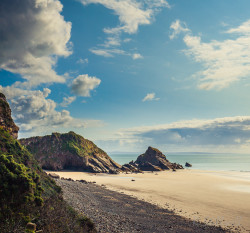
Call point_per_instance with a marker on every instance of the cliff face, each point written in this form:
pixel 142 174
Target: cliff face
pixel 6 121
pixel 154 160
pixel 69 151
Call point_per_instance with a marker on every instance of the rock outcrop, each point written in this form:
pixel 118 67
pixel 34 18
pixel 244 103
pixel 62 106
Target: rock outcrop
pixel 6 121
pixel 153 160
pixel 69 151
pixel 188 164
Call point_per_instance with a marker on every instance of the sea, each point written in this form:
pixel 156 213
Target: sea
pixel 201 161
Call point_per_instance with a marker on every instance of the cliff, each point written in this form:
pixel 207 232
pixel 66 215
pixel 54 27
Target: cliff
pixel 6 121
pixel 69 151
pixel 153 160
pixel 27 193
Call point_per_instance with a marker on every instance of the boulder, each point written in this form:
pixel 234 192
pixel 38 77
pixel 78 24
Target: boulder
pixel 188 164
pixel 54 175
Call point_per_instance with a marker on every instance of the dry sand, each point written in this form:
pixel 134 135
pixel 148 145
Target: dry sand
pixel 217 198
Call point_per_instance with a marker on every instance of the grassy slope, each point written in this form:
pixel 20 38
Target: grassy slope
pixel 28 194
pixel 67 142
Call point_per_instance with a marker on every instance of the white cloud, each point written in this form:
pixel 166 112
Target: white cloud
pixel 243 29
pixel 83 84
pixel 33 33
pixel 131 14
pixel 83 61
pixel 137 56
pixel 111 52
pixel 112 41
pixel 67 101
pixel 228 134
pixel 107 52
pixel 150 97
pixel 36 114
pixel 178 27
pixel 224 62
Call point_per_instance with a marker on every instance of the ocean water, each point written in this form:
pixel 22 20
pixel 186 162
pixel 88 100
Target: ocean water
pixel 202 161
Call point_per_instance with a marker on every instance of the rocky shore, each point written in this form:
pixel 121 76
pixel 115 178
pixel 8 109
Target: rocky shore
pixel 116 212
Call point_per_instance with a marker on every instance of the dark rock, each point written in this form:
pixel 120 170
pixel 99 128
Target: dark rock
pixel 54 175
pixel 83 181
pixel 188 164
pixel 152 160
pixel 150 167
pixel 114 171
pixel 130 168
pixel 177 166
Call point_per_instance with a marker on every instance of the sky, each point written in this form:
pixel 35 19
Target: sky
pixel 129 74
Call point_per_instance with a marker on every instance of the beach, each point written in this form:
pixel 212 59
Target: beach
pixel 212 197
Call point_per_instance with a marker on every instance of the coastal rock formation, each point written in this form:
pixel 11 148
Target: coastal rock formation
pixel 154 160
pixel 6 121
pixel 69 151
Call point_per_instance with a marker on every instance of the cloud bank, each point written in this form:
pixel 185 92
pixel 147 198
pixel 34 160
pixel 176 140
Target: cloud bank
pixel 230 134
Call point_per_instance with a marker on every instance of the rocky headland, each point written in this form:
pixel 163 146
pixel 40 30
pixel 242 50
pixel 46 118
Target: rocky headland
pixel 70 151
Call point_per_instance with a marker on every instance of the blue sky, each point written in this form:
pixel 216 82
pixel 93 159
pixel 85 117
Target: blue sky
pixel 128 74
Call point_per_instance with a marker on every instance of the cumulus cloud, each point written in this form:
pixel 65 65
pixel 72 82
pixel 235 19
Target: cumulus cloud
pixel 67 101
pixel 34 112
pixel 83 84
pixel 34 34
pixel 131 14
pixel 150 97
pixel 136 56
pixel 224 62
pixel 177 27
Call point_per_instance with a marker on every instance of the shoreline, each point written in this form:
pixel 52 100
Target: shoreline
pixel 212 197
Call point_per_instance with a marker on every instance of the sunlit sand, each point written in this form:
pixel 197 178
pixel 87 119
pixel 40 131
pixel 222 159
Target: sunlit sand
pixel 217 198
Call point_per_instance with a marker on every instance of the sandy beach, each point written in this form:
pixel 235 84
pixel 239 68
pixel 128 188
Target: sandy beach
pixel 216 198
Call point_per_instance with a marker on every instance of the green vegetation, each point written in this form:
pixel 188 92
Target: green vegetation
pixel 71 142
pixel 18 184
pixel 76 144
pixel 28 194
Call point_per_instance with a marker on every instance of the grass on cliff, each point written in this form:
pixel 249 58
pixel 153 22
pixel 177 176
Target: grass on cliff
pixel 28 194
pixel 70 142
